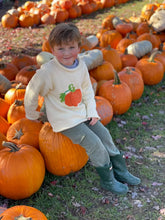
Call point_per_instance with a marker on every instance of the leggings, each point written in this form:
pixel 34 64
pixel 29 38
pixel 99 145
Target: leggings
pixel 96 140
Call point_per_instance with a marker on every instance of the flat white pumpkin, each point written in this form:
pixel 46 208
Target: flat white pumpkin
pixel 157 20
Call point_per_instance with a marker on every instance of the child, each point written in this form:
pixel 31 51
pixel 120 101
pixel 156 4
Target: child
pixel 71 109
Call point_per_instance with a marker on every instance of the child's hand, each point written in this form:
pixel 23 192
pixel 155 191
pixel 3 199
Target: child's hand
pixel 93 120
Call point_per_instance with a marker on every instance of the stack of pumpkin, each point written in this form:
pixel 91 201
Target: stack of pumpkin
pixel 51 12
pixel 126 56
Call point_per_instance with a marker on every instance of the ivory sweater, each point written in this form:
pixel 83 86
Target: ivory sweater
pixel 68 95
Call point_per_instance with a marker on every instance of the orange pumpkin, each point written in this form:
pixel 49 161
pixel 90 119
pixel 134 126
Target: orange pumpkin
pixel 22 170
pixel 111 37
pixel 117 93
pixel 105 71
pixel 22 60
pixel 8 70
pixel 152 69
pixel 26 20
pixel 4 106
pixel 134 81
pixel 9 21
pixel 111 55
pixel 104 109
pixel 15 93
pixel 23 212
pixel 54 146
pixel 25 74
pixel 24 131
pixel 16 111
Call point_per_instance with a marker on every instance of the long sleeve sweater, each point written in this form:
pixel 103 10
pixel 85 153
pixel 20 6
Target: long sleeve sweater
pixel 68 95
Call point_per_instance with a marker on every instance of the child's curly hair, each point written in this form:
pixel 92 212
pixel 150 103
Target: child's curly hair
pixel 64 33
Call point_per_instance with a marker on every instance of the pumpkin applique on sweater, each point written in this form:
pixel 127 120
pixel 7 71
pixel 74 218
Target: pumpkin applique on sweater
pixel 72 96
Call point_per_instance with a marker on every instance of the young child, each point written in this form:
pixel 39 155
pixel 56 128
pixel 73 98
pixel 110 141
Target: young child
pixel 64 83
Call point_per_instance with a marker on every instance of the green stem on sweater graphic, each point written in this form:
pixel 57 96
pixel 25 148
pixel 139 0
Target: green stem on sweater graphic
pixel 72 96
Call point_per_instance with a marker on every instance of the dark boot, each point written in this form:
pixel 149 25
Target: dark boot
pixel 108 181
pixel 120 170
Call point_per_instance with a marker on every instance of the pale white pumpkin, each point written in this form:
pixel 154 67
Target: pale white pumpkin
pixel 139 48
pixel 93 40
pixel 157 20
pixel 44 57
pixel 92 58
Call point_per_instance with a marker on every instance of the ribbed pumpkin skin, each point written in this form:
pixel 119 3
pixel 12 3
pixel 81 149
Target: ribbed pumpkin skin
pixel 24 131
pixel 60 154
pixel 25 211
pixel 21 172
pixel 134 81
pixel 119 96
pixel 104 109
pixel 4 125
pixel 152 72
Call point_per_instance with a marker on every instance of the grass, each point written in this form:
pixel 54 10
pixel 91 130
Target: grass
pixel 140 132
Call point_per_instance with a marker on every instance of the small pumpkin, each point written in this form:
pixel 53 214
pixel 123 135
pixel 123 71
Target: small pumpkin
pixel 104 109
pixel 22 212
pixel 8 70
pixel 25 74
pixel 110 37
pixel 15 93
pixel 134 81
pixel 24 131
pixel 16 111
pixel 140 48
pixel 105 71
pixel 22 60
pixel 111 55
pixel 9 21
pixel 22 170
pixel 54 146
pixel 152 69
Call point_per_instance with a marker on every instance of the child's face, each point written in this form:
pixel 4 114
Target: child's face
pixel 66 53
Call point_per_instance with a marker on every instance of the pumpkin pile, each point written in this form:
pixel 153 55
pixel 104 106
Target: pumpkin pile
pixel 122 58
pixel 53 11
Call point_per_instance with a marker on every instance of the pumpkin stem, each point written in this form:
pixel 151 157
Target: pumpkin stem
pixel 18 102
pixel 10 145
pixel 161 47
pixel 128 70
pixel 116 78
pixel 18 134
pixel 21 217
pixel 152 57
pixel 2 65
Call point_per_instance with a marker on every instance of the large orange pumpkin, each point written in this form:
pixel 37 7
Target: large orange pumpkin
pixel 60 154
pixel 22 171
pixel 4 106
pixel 9 70
pixel 23 212
pixel 152 69
pixel 118 93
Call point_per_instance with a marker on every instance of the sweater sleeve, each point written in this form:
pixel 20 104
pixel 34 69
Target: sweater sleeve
pixel 40 84
pixel 89 96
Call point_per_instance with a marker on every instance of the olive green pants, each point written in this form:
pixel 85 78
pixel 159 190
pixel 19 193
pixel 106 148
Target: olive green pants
pixel 96 140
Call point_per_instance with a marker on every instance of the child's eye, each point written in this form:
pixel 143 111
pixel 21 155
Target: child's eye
pixel 72 47
pixel 60 48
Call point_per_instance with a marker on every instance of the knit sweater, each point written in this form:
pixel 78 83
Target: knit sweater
pixel 68 95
